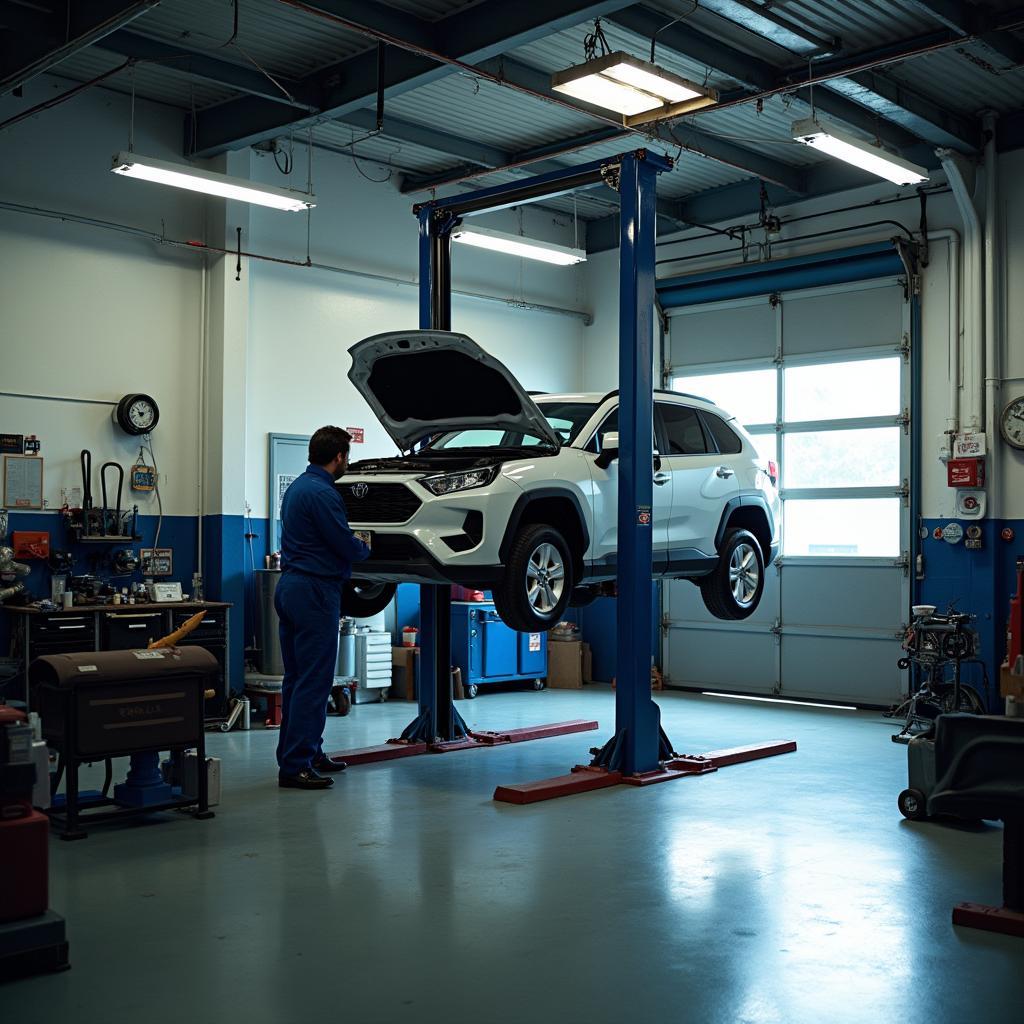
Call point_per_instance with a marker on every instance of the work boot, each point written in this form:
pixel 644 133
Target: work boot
pixel 306 779
pixel 326 764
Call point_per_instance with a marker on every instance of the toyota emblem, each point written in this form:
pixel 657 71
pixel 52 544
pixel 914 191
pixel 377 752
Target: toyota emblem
pixel 359 490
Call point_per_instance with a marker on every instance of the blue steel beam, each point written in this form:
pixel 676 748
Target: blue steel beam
pixel 969 20
pixel 205 67
pixel 42 41
pixel 733 203
pixel 471 35
pixel 873 90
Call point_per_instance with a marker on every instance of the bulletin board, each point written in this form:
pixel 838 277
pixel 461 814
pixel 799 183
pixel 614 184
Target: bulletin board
pixel 23 481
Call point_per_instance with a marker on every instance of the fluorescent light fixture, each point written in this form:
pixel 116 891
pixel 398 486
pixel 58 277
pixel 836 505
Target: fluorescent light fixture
pixel 132 165
pixel 858 152
pixel 780 700
pixel 516 245
pixel 635 88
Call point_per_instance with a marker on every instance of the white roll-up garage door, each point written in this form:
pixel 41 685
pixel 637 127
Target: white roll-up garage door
pixel 821 379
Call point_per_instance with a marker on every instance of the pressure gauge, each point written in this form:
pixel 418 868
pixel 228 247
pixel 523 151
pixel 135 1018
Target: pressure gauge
pixel 1011 425
pixel 138 414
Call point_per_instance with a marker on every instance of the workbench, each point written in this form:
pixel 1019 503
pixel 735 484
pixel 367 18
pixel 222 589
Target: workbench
pixel 113 627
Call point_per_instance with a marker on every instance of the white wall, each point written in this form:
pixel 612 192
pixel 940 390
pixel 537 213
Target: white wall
pixel 303 320
pixel 601 339
pixel 93 314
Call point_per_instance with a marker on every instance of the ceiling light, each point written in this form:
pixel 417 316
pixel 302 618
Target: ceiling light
pixel 866 155
pixel 516 245
pixel 182 176
pixel 635 88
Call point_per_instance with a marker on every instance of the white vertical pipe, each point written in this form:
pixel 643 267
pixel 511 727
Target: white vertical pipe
pixel 991 375
pixel 973 291
pixel 956 327
pixel 201 418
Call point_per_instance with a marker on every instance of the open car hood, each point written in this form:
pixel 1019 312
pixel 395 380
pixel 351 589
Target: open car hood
pixel 420 383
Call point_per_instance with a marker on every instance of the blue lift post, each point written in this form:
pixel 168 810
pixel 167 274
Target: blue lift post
pixel 639 751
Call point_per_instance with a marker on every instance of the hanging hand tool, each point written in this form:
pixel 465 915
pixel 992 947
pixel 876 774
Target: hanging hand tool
pixel 116 528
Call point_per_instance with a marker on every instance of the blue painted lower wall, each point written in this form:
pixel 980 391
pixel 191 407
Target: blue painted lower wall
pixel 226 569
pixel 980 582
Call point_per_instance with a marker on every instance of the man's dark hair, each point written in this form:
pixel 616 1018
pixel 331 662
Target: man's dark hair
pixel 326 443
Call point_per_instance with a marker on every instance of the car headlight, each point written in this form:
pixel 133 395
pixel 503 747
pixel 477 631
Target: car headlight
pixel 448 483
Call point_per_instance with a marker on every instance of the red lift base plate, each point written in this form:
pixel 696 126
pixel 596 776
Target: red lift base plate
pixel 989 919
pixel 394 749
pixel 586 778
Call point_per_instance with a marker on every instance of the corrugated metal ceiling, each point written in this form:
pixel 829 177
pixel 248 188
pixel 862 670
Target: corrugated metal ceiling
pixel 287 42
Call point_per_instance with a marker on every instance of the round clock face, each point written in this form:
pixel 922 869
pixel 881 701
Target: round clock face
pixel 1012 423
pixel 142 414
pixel 136 414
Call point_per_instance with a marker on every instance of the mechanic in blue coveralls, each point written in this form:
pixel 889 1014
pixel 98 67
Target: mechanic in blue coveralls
pixel 317 552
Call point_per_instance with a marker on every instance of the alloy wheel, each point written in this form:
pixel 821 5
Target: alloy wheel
pixel 744 574
pixel 545 578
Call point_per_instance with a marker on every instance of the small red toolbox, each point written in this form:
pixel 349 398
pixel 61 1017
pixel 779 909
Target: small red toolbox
pixel 24 866
pixel 30 544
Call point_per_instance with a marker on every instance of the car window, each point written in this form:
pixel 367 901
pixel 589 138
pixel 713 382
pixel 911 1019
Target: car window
pixel 471 439
pixel 567 419
pixel 683 430
pixel 727 440
pixel 610 425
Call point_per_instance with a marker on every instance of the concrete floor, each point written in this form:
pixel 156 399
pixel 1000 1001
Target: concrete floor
pixel 781 892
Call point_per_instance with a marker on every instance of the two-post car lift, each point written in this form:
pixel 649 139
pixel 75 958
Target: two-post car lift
pixel 639 752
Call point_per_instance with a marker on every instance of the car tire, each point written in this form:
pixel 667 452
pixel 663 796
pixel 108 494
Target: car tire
pixel 362 599
pixel 734 589
pixel 538 581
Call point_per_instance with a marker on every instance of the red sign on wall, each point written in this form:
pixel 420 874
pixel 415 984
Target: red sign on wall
pixel 358 434
pixel 965 472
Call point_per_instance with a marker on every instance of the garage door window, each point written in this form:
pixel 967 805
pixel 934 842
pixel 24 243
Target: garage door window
pixel 832 427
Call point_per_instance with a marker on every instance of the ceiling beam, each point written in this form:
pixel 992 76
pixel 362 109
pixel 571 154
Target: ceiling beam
pixel 36 41
pixel 470 35
pixel 876 96
pixel 207 68
pixel 733 203
pixel 968 20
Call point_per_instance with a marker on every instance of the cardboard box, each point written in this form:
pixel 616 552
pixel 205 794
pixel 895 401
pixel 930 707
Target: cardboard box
pixel 565 665
pixel 404 663
pixel 1010 685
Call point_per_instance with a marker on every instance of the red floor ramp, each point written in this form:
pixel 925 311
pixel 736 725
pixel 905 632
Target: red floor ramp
pixel 395 748
pixel 582 780
pixel 680 766
pixel 989 919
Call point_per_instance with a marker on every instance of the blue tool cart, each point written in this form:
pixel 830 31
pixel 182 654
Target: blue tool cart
pixel 487 651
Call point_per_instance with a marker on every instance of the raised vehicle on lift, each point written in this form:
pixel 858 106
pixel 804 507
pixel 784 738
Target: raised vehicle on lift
pixel 515 493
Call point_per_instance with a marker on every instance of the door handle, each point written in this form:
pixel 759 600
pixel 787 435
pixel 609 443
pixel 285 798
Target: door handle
pixel 661 479
pixel 724 472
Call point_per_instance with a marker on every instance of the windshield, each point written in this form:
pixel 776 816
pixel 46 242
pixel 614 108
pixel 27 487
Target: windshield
pixel 566 418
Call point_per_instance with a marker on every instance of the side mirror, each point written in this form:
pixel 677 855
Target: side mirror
pixel 609 449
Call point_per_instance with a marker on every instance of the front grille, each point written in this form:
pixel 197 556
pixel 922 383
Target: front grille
pixel 395 547
pixel 381 503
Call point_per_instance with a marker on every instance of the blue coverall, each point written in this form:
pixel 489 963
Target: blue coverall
pixel 317 552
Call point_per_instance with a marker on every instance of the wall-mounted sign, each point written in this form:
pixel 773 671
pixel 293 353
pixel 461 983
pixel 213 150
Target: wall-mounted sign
pixel 952 533
pixel 969 446
pixel 358 434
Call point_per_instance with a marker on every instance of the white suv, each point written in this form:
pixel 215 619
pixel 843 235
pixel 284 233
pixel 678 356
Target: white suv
pixel 517 494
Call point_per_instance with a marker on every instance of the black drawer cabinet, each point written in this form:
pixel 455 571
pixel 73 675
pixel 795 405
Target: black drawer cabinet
pixel 212 634
pixel 122 628
pixel 129 631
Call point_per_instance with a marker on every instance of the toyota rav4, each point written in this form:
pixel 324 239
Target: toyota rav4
pixel 516 493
